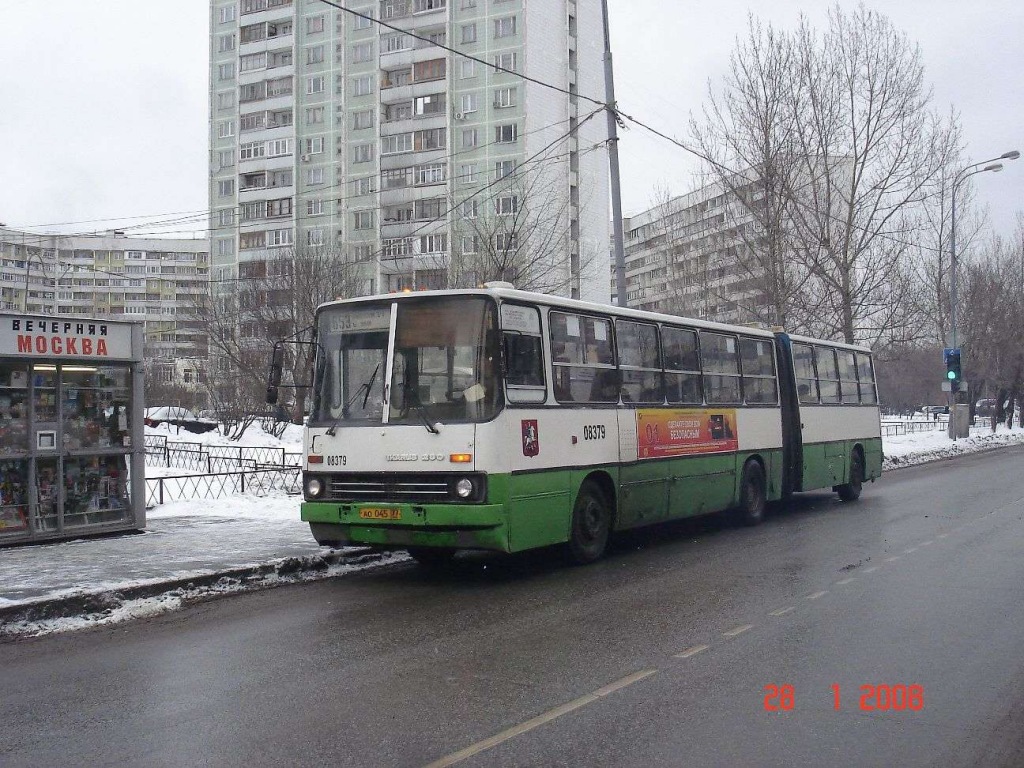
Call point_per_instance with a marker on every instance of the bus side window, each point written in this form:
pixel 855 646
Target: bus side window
pixel 848 376
pixel 524 360
pixel 803 368
pixel 866 376
pixel 828 375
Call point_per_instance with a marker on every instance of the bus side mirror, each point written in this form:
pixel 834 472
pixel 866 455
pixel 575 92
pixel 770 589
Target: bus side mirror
pixel 276 369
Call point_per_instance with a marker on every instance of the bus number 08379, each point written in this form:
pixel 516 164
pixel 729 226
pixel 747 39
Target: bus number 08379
pixel 594 432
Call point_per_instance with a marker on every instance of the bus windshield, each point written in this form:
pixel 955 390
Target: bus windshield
pixel 444 363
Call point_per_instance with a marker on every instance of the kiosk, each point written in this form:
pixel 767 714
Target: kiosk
pixel 72 455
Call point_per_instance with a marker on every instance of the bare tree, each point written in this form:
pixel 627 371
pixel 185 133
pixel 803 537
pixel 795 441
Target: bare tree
pixel 272 298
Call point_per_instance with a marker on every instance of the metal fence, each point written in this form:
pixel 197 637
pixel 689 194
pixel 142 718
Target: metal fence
pixel 161 452
pixel 160 490
pixel 893 429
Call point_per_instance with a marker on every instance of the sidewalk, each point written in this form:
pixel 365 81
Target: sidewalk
pixel 192 550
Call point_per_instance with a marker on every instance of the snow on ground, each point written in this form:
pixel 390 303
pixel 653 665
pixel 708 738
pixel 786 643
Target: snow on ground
pixel 202 539
pixel 254 437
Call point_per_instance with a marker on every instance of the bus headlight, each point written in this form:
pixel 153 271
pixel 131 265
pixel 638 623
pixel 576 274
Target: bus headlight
pixel 464 488
pixel 314 487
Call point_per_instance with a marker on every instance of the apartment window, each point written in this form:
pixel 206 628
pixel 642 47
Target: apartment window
pixel 363 253
pixel 225 247
pixel 429 70
pixel 504 97
pixel 227 13
pixel 226 217
pixel 280 207
pixel 314 207
pixel 396 178
pixel 362 220
pixel 467 173
pixel 279 58
pixel 362 153
pixel 315 84
pixel 429 105
pixel 419 6
pixel 226 158
pixel 507 205
pixel 315 54
pixel 468 33
pixel 314 115
pixel 282 86
pixel 254 210
pixel 362 86
pixel 226 43
pixel 432 173
pixel 505 134
pixel 506 61
pixel 314 176
pixel 392 43
pixel 468 103
pixel 226 71
pixel 470 243
pixel 364 186
pixel 432 139
pixel 362 119
pixel 279 147
pixel 470 137
pixel 250 240
pixel 506 241
pixel 471 209
pixel 363 23
pixel 505 26
pixel 315 237
pixel 504 168
pixel 468 4
pixel 467 69
pixel 397 246
pixel 391 145
pixel 314 24
pixel 362 52
pixel 251 150
pixel 281 178
pixel 433 243
pixel 277 238
pixel 314 145
pixel 225 100
pixel 226 128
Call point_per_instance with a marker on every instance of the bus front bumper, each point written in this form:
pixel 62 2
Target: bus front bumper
pixel 455 526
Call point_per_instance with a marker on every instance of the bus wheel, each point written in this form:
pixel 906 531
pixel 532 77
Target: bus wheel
pixel 431 557
pixel 591 524
pixel 753 498
pixel 851 491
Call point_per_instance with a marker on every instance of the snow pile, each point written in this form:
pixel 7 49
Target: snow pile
pixel 254 437
pixel 922 447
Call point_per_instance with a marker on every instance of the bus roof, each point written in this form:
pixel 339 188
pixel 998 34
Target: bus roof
pixel 505 292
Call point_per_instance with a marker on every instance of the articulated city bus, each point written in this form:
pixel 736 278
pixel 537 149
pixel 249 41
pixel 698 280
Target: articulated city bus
pixel 497 419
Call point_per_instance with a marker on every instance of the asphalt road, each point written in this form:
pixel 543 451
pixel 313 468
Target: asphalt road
pixel 657 656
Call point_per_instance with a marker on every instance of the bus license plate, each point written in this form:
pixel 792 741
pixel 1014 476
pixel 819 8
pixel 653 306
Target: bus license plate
pixel 380 513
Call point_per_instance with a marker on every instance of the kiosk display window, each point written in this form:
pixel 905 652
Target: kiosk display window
pixel 94 407
pixel 13 497
pixel 44 393
pixel 95 490
pixel 47 494
pixel 14 409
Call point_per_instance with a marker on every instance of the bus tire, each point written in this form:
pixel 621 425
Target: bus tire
pixel 753 499
pixel 431 558
pixel 851 491
pixel 591 524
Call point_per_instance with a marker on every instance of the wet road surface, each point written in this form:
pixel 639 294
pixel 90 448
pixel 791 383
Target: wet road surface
pixel 657 656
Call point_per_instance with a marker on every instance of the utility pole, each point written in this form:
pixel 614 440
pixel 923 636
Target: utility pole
pixel 613 163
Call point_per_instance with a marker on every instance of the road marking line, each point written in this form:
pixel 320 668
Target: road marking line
pixel 927 543
pixel 738 630
pixel 910 551
pixel 692 651
pixel 816 595
pixel 783 611
pixel 892 559
pixel 845 581
pixel 872 569
pixel 942 535
pixel 546 717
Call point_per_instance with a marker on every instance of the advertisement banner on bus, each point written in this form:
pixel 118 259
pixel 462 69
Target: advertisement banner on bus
pixel 685 432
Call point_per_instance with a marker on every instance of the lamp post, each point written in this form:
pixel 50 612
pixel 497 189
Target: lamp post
pixel 958 426
pixel 959 178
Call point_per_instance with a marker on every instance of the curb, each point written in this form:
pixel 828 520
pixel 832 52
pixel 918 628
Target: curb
pixel 203 586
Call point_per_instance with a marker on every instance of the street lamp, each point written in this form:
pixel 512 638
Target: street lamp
pixel 959 178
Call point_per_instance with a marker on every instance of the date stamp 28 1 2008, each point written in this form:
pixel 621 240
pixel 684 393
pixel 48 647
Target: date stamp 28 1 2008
pixel 873 698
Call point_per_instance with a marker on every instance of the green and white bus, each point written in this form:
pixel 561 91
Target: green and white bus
pixel 497 419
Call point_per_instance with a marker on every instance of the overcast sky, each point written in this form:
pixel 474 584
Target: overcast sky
pixel 103 103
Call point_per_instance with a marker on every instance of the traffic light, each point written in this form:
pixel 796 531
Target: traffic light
pixel 953 373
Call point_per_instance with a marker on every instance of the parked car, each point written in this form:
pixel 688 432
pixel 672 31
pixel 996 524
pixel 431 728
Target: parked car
pixel 178 417
pixel 985 407
pixel 931 410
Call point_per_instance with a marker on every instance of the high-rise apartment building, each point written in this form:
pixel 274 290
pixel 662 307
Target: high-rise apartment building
pixel 426 168
pixel 687 256
pixel 159 281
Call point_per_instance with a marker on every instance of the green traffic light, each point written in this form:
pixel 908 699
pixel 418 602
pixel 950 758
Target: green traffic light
pixel 951 375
